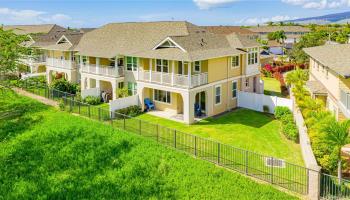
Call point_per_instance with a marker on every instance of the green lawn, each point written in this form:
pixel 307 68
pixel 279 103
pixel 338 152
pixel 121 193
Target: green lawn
pixel 241 128
pixel 272 87
pixel 48 154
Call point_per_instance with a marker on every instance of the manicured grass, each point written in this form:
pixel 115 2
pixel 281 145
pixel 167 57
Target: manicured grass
pixel 48 154
pixel 272 87
pixel 241 128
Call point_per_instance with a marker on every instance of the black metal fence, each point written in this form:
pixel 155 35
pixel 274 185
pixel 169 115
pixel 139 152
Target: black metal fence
pixel 334 188
pixel 266 168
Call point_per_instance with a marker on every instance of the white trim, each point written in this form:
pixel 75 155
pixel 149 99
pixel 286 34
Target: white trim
pixel 172 41
pixel 217 86
pixel 63 37
pixel 162 65
pixel 200 66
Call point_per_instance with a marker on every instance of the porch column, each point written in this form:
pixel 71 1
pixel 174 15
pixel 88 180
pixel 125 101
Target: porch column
pixel 150 71
pixel 97 64
pixel 83 83
pixel 137 68
pixel 172 72
pixel 139 89
pixel 189 74
pixel 88 63
pixel 48 76
pixel 97 83
pixel 114 90
pixel 116 66
pixel 188 106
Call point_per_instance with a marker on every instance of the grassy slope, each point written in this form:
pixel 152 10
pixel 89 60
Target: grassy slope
pixel 49 154
pixel 242 128
pixel 272 87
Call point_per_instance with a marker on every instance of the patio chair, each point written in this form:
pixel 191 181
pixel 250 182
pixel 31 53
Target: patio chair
pixel 149 104
pixel 197 110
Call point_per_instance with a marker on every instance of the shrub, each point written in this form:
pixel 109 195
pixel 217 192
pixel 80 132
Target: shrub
pixel 64 86
pixel 92 100
pixel 281 111
pixel 290 130
pixel 131 111
pixel 61 105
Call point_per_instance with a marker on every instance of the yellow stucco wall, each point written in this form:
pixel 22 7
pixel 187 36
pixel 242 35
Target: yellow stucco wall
pixel 330 82
pixel 227 102
pixel 176 103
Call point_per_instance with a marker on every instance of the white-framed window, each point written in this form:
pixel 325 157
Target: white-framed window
pixel 197 66
pixel 131 63
pixel 132 88
pixel 218 94
pixel 234 61
pixel 234 89
pixel 247 82
pixel 252 56
pixel 162 96
pixel 162 65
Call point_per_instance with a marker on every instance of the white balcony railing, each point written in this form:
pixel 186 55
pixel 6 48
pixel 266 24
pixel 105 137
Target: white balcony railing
pixel 173 79
pixel 60 63
pixel 252 69
pixel 33 60
pixel 102 70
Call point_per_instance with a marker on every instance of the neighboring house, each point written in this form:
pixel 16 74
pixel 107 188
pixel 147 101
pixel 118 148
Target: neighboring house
pixel 178 65
pixel 36 61
pixel 59 51
pixel 330 77
pixel 293 33
pixel 226 30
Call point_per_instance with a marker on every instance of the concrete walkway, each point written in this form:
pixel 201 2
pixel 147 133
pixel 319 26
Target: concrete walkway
pixel 36 97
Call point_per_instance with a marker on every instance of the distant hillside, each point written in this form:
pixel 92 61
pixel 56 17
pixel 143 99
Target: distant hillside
pixel 341 18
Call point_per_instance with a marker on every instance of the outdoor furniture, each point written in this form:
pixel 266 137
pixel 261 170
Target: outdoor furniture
pixel 197 110
pixel 149 104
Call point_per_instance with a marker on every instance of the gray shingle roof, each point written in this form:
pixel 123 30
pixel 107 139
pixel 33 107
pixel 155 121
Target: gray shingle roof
pixel 268 29
pixel 139 39
pixel 316 87
pixel 30 29
pixel 335 57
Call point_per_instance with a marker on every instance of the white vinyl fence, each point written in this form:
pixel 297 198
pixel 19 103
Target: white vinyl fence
pixel 96 92
pixel 123 103
pixel 257 102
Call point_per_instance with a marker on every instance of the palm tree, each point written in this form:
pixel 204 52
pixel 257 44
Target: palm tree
pixel 297 77
pixel 337 135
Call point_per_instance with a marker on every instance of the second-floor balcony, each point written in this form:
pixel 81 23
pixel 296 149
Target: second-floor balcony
pixel 34 60
pixel 60 63
pixel 102 70
pixel 252 69
pixel 172 79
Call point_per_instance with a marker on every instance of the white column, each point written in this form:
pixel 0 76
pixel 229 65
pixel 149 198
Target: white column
pixel 150 69
pixel 97 83
pixel 139 89
pixel 172 72
pixel 81 61
pixel 137 68
pixel 97 64
pixel 83 83
pixel 114 90
pixel 188 112
pixel 189 74
pixel 116 66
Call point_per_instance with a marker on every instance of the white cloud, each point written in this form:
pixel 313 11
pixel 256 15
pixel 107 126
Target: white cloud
pixel 12 16
pixel 208 4
pixel 319 4
pixel 262 20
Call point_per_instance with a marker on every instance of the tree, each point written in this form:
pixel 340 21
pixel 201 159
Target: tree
pixel 11 51
pixel 297 77
pixel 337 135
pixel 269 23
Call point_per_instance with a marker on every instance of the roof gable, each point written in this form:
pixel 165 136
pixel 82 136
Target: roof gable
pixel 168 43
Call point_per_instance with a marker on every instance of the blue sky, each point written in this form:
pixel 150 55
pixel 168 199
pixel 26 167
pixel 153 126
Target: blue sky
pixel 89 13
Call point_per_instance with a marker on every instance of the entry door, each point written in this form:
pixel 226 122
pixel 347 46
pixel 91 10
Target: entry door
pixel 181 69
pixel 202 101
